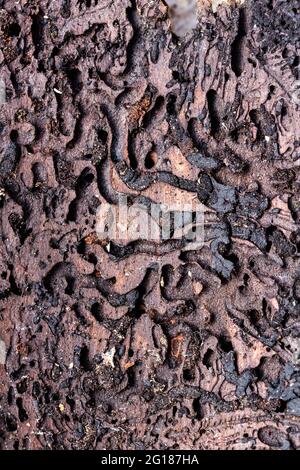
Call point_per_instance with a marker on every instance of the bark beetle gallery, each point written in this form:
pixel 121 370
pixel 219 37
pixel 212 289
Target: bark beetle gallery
pixel 144 345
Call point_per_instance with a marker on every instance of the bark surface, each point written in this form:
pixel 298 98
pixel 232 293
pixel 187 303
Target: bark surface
pixel 146 345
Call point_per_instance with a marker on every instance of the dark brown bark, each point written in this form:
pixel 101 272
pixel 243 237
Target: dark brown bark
pixel 146 345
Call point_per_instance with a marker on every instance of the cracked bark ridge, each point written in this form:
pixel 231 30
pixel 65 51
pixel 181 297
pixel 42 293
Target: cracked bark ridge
pixel 144 345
